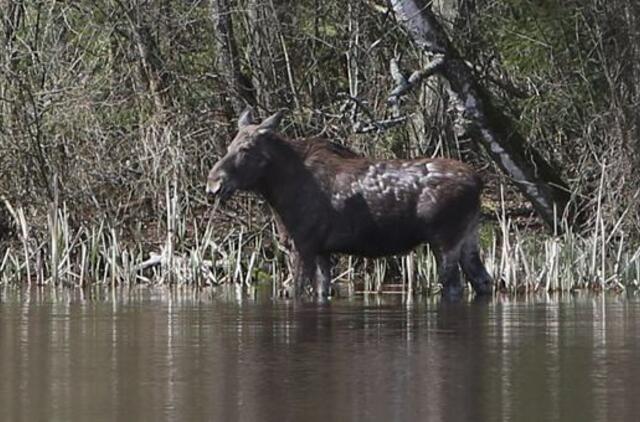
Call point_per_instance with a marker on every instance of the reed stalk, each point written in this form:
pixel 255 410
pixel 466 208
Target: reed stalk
pixel 199 255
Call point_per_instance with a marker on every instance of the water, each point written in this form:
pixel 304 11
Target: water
pixel 162 355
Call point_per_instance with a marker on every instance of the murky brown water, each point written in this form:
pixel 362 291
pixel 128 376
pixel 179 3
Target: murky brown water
pixel 160 355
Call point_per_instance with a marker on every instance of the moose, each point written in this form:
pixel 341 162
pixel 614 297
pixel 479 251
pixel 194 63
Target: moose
pixel 328 199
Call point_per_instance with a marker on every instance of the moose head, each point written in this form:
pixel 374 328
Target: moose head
pixel 246 159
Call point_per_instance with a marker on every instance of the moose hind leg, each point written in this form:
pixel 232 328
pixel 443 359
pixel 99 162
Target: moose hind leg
pixel 323 276
pixel 473 267
pixel 449 272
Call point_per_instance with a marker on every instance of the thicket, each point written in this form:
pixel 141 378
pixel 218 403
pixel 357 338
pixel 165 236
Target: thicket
pixel 112 113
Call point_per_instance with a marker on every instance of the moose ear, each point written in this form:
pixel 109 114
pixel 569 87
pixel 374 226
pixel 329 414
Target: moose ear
pixel 246 118
pixel 271 122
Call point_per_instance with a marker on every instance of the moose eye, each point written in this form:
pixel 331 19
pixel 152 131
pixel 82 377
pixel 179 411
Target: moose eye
pixel 243 154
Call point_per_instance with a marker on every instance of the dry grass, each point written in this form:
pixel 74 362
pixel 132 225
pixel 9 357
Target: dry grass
pixel 246 254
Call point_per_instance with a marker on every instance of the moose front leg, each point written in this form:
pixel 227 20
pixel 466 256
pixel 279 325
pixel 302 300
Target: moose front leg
pixel 323 276
pixel 304 269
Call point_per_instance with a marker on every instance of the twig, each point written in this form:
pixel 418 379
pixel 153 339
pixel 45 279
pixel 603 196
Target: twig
pixel 379 126
pixel 404 84
pixel 373 125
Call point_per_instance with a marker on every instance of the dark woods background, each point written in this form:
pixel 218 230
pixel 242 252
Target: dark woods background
pixel 106 106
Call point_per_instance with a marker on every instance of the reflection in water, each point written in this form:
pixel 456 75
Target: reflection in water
pixel 187 355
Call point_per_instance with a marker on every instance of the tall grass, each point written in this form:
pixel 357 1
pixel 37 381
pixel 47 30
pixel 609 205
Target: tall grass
pixel 245 253
pixel 525 262
pixel 100 255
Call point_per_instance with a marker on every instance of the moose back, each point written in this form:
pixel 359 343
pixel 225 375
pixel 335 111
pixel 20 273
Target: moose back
pixel 330 200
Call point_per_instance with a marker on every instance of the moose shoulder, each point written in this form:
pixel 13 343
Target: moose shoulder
pixel 330 200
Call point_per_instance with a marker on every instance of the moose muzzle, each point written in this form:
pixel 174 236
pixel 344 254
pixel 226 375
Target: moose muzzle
pixel 214 186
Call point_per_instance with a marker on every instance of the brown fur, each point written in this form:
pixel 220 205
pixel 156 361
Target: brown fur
pixel 328 199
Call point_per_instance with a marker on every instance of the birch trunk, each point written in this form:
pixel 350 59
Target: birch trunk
pixel 528 170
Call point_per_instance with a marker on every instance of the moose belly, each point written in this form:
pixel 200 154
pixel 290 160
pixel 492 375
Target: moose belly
pixel 374 239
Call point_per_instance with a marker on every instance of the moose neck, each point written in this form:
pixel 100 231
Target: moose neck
pixel 286 180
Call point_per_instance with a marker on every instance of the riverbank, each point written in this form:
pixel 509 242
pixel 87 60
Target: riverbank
pixel 238 245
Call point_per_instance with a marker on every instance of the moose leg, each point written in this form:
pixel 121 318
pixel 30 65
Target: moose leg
pixel 291 254
pixel 449 271
pixel 281 230
pixel 304 268
pixel 473 267
pixel 323 276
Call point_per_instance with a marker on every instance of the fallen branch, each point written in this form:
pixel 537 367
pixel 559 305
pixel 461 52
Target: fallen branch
pixel 183 268
pixel 373 125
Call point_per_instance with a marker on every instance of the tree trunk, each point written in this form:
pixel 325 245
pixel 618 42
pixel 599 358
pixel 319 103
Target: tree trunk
pixel 631 76
pixel 12 13
pixel 258 45
pixel 432 133
pixel 528 170
pixel 239 89
pixel 151 64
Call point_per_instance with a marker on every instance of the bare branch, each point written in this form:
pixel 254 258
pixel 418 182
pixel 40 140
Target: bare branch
pixel 380 125
pixel 404 85
pixel 373 125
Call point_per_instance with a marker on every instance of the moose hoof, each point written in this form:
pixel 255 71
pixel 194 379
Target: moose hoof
pixel 323 297
pixel 287 292
pixel 483 288
pixel 453 292
pixel 323 293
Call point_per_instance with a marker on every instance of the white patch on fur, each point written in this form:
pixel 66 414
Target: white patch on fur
pixel 382 180
pixel 403 183
pixel 430 195
pixel 432 167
